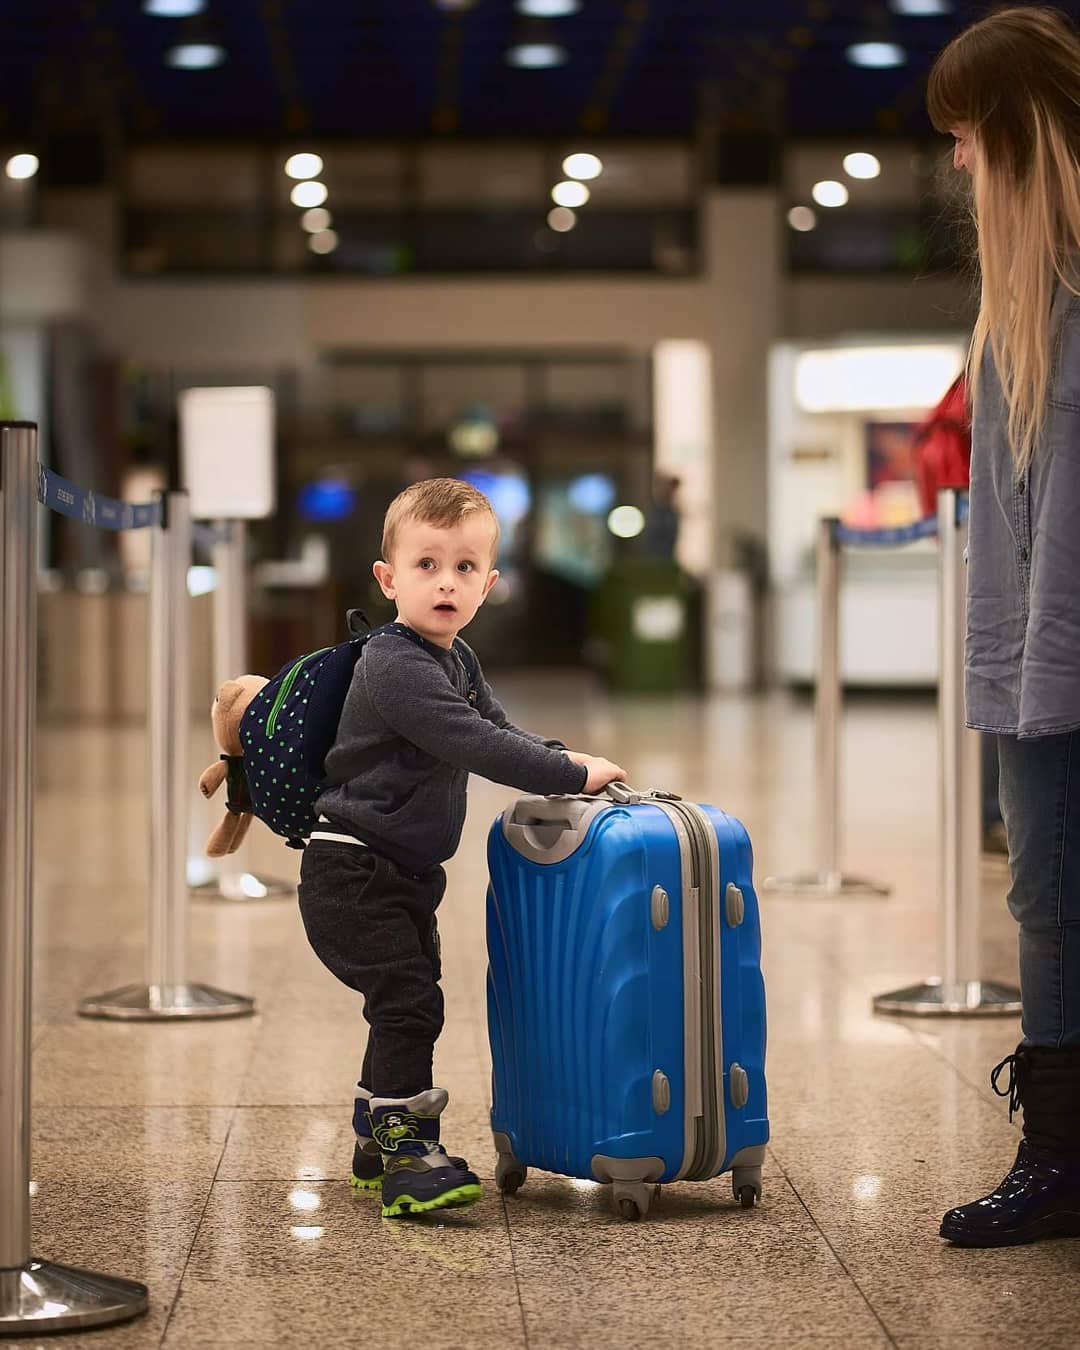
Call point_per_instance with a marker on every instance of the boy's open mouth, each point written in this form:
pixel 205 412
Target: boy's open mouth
pixel 446 607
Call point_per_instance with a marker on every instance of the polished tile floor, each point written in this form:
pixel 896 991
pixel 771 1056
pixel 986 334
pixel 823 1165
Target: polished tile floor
pixel 210 1160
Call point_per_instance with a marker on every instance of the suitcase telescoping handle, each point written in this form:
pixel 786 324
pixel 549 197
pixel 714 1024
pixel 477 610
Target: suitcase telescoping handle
pixel 550 829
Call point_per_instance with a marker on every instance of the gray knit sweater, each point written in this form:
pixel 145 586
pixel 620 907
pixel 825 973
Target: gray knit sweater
pixel 408 740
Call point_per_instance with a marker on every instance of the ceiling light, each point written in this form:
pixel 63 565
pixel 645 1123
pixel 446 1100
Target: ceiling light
pixel 22 166
pixel 536 55
pixel 195 56
pixel 548 9
pixel 801 218
pixel 303 166
pixel 318 218
pixel 173 9
pixel 561 219
pixel 861 165
pixel 570 194
pixel 918 9
pixel 308 194
pixel 323 242
pixel 876 55
pixel 829 193
pixel 582 166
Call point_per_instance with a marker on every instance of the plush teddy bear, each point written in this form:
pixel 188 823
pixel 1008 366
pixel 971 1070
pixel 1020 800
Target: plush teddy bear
pixel 229 707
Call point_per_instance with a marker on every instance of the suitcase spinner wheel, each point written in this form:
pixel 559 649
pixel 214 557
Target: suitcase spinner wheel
pixel 510 1174
pixel 632 1198
pixel 746 1183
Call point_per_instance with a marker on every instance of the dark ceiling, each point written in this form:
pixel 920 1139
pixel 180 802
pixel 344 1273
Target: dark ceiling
pixel 405 68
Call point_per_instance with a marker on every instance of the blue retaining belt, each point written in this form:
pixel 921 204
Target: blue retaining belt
pixel 897 535
pixel 92 508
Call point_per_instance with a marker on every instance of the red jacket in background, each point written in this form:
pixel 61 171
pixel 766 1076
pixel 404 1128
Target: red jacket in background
pixel 943 447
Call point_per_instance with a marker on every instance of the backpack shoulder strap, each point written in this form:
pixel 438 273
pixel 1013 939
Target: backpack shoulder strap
pixel 472 666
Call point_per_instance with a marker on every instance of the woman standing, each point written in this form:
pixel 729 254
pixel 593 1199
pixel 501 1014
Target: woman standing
pixel 1008 90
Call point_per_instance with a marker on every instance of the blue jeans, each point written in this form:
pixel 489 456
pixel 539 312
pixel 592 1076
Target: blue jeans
pixel 1040 800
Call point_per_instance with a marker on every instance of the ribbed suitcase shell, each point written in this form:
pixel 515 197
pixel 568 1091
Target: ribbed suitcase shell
pixel 587 999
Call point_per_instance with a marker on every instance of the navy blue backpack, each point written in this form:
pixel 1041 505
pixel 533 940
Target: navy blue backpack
pixel 290 725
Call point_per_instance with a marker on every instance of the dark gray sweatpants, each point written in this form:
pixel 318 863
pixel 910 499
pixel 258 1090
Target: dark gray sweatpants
pixel 373 925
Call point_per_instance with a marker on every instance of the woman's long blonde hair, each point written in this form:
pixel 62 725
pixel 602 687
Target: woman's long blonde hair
pixel 1014 78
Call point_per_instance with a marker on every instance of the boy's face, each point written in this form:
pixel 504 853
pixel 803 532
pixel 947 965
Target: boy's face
pixel 439 576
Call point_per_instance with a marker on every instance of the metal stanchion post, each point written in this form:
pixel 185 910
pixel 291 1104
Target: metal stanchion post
pixel 234 879
pixel 956 992
pixel 167 994
pixel 828 880
pixel 35 1296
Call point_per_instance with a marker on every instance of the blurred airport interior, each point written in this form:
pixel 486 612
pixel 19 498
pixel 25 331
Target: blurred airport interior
pixel 671 281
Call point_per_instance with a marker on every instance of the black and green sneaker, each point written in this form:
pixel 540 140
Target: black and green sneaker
pixel 418 1177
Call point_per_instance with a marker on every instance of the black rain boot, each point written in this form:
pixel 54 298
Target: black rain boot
pixel 418 1176
pixel 367 1164
pixel 1040 1197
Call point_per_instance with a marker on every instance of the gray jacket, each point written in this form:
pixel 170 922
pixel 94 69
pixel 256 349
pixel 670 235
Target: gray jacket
pixel 1023 582
pixel 408 740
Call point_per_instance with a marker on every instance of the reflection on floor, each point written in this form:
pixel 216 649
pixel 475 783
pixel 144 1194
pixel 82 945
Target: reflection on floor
pixel 210 1160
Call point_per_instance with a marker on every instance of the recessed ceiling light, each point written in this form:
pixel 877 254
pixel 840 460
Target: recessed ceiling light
pixel 829 193
pixel 876 55
pixel 801 218
pixel 548 9
pixel 323 242
pixel 570 194
pixel 173 9
pixel 303 166
pixel 318 218
pixel 561 219
pixel 583 166
pixel 308 194
pixel 918 9
pixel 861 165
pixel 536 55
pixel 22 166
pixel 195 56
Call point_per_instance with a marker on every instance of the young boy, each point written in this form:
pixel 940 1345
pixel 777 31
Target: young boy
pixel 419 717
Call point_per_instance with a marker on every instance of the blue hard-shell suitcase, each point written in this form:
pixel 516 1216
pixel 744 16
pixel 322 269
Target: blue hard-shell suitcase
pixel 626 1007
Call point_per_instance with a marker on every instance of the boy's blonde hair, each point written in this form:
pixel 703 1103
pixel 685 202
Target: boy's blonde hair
pixel 437 501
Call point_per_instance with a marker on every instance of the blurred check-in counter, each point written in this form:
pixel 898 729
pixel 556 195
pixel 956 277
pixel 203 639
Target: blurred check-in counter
pixel 93 654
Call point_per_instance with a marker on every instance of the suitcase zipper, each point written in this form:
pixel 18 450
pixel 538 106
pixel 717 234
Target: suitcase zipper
pixel 709 1134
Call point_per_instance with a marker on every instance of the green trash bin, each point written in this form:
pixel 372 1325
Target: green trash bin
pixel 640 621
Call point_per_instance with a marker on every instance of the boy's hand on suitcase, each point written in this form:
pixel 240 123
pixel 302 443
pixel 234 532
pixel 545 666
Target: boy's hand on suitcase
pixel 601 771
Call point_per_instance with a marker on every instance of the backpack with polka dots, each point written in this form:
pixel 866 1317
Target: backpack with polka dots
pixel 290 725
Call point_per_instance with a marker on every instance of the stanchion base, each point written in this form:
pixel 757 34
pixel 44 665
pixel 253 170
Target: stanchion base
pixel 247 886
pixel 160 1002
pixel 40 1297
pixel 965 998
pixel 824 885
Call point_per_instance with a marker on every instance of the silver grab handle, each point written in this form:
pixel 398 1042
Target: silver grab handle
pixel 622 794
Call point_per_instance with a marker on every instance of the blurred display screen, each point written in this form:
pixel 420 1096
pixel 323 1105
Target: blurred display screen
pixel 326 499
pixel 572 537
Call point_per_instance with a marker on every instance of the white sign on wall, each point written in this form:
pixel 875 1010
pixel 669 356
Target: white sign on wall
pixel 227 452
